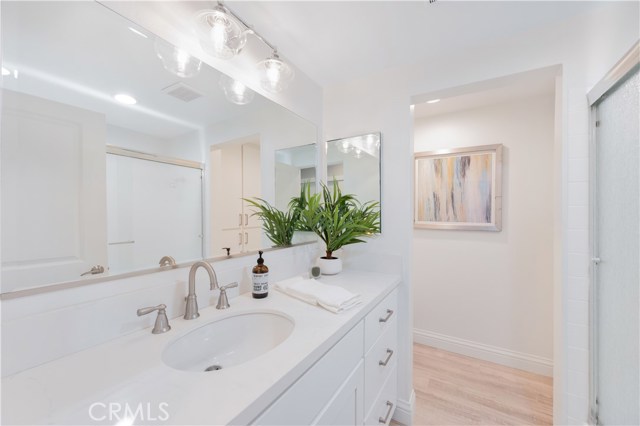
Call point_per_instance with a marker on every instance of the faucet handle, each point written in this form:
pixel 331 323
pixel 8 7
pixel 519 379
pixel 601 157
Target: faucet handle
pixel 162 322
pixel 232 285
pixel 223 300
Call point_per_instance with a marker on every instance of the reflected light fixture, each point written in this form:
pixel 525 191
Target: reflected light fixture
pixel 433 101
pixel 357 153
pixel 223 34
pixel 125 99
pixel 5 71
pixel 235 91
pixel 176 60
pixel 344 146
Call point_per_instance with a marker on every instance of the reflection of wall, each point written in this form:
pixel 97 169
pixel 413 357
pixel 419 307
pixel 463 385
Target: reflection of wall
pixel 277 128
pixel 288 179
pixel 185 147
pixel 506 278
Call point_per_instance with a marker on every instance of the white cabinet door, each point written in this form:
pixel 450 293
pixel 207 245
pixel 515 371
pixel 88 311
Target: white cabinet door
pixel 251 181
pixel 346 407
pixel 53 191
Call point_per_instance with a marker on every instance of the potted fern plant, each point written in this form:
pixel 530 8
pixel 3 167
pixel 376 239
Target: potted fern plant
pixel 338 219
pixel 277 225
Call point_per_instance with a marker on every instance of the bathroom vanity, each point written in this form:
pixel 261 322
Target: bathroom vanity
pixel 327 369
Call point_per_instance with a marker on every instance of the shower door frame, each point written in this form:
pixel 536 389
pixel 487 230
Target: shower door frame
pixel 609 82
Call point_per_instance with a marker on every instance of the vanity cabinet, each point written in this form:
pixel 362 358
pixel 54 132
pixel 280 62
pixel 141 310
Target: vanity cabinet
pixel 354 383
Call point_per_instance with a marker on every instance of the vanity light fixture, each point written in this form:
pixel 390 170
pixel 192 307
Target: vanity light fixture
pixel 235 91
pixel 275 74
pixel 125 99
pixel 433 101
pixel 223 34
pixel 176 60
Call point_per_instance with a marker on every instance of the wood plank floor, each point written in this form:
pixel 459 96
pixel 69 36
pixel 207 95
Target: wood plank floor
pixel 453 389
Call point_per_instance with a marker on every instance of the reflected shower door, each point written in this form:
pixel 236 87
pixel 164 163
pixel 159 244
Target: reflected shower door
pixel 616 271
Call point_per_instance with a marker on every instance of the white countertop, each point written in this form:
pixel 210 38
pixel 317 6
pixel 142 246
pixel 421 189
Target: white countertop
pixel 129 371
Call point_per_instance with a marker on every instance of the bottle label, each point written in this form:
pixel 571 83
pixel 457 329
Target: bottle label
pixel 260 283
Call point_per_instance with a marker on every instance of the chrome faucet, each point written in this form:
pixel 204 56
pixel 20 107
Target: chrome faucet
pixel 191 312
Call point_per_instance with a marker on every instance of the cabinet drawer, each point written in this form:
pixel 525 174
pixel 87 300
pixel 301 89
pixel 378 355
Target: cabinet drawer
pixel 306 398
pixel 385 403
pixel 380 362
pixel 380 318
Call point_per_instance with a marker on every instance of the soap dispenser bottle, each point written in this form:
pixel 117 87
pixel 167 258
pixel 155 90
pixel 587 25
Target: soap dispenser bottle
pixel 260 279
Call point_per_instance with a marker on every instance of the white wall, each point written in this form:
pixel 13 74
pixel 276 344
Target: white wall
pixel 586 47
pixel 490 294
pixel 185 147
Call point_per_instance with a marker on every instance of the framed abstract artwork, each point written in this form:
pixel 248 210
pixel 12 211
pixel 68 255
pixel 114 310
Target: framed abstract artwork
pixel 459 189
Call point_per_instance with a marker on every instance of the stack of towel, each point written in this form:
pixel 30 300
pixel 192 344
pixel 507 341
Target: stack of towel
pixel 330 297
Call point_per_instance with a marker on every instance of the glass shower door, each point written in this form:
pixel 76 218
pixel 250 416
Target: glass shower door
pixel 616 270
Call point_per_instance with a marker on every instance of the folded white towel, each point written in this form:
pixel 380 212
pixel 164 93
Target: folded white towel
pixel 332 298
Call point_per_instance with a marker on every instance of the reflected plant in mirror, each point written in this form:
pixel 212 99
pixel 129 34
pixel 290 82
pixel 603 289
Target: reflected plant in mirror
pixel 110 166
pixel 279 226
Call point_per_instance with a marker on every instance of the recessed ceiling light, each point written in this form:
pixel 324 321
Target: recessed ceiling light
pixel 5 71
pixel 125 99
pixel 433 101
pixel 140 33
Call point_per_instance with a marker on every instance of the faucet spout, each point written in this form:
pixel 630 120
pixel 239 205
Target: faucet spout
pixel 191 311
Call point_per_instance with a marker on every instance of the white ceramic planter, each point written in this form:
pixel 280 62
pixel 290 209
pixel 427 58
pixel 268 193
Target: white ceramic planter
pixel 330 266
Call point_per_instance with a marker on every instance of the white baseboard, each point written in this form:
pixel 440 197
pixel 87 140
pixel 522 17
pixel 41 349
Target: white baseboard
pixel 532 363
pixel 403 413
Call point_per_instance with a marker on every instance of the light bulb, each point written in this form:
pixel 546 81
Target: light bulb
pixel 219 34
pixel 275 74
pixel 357 153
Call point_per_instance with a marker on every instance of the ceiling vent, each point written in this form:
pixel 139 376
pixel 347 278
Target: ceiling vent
pixel 182 91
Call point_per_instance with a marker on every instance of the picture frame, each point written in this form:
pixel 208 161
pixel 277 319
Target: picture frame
pixel 459 189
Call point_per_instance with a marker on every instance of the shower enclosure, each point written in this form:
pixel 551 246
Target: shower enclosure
pixel 615 226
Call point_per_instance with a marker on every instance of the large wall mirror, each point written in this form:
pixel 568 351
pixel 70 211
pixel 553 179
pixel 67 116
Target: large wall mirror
pixel 354 163
pixel 119 149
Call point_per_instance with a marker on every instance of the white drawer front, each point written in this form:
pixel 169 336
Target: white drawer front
pixel 304 400
pixel 380 318
pixel 380 362
pixel 385 404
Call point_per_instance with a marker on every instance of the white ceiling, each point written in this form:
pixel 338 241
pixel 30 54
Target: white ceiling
pixel 337 41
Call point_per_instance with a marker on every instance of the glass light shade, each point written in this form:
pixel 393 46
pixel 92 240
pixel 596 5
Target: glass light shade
pixel 176 60
pixel 275 74
pixel 220 34
pixel 236 91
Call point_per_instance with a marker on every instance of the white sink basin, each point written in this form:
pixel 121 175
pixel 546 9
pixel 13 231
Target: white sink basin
pixel 227 342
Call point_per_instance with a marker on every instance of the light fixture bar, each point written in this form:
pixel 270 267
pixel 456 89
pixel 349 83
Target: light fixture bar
pixel 250 28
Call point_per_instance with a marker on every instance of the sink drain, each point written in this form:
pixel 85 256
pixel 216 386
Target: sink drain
pixel 213 368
